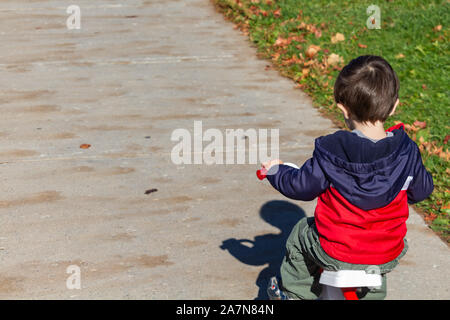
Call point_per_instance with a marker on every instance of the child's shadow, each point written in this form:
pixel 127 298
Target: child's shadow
pixel 268 248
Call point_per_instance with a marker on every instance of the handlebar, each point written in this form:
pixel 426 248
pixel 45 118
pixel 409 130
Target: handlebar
pixel 262 173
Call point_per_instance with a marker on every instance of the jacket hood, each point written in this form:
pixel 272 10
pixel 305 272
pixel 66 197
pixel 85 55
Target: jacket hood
pixel 368 174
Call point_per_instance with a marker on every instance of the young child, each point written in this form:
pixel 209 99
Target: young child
pixel 364 180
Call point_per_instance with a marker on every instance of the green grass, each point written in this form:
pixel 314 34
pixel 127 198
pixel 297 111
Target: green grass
pixel 409 39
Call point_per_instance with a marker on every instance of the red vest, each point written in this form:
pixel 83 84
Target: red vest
pixel 350 234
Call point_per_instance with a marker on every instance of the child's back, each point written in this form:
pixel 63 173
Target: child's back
pixel 363 188
pixel 364 180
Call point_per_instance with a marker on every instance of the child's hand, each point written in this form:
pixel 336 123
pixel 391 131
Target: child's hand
pixel 271 163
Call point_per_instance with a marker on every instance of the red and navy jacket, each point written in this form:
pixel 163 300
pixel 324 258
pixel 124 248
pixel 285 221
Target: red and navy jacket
pixel 364 188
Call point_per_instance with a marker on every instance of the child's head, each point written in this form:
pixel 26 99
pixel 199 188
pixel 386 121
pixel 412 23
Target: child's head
pixel 366 90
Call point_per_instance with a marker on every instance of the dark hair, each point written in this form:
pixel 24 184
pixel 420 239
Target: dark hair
pixel 368 88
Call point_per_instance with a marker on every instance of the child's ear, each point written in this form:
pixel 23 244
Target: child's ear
pixel 395 107
pixel 344 110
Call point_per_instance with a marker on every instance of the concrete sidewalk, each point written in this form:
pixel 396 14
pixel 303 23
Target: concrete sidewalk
pixel 132 74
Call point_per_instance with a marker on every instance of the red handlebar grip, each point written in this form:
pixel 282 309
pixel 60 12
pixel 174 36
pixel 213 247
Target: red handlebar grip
pixel 261 173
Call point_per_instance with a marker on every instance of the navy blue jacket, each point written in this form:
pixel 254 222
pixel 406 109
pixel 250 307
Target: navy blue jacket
pixel 367 174
pixel 364 188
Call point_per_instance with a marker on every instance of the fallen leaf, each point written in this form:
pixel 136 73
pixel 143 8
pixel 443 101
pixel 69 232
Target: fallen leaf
pixel 277 13
pixel 255 10
pixel 362 45
pixel 312 51
pixel 420 124
pixel 447 137
pixel 85 146
pixel 438 151
pixel 445 155
pixel 293 60
pixel 424 86
pixel 318 33
pixel 302 25
pixel 282 42
pixel 430 217
pixel 337 37
pixel 334 59
pixel 410 127
pixel 150 191
pixel 438 28
pixel 298 38
pixel 400 56
pixel 276 56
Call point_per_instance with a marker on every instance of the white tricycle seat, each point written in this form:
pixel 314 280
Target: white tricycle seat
pixel 333 281
pixel 350 279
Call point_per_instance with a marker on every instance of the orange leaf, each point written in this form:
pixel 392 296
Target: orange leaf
pixel 85 146
pixel 312 51
pixel 362 45
pixel 438 151
pixel 277 13
pixel 298 38
pixel 282 42
pixel 410 127
pixel 420 124
pixel 302 25
pixel 430 217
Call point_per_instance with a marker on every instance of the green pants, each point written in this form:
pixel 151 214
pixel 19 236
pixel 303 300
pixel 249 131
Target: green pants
pixel 300 270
